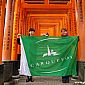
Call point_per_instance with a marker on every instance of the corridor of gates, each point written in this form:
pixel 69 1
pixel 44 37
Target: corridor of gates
pixel 43 17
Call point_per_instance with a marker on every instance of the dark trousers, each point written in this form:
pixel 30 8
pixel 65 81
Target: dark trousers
pixel 29 78
pixel 65 79
pixel 18 58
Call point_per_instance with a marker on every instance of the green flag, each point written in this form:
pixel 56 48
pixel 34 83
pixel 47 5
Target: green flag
pixel 48 56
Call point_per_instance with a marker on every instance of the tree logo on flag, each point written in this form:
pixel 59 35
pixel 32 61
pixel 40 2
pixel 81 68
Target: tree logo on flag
pixel 50 52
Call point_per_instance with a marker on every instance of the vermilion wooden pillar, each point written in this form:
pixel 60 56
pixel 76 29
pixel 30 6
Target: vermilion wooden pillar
pixel 27 31
pixel 81 28
pixel 2 14
pixel 1 34
pixel 6 55
pixel 83 8
pixel 61 26
pixel 73 19
pixel 33 21
pixel 69 22
pixel 36 27
pixel 57 29
pixel 21 26
pixel 24 21
pixel 3 65
pixel 15 47
pixel 11 26
pixel 15 28
pixel 65 22
pixel 20 22
pixel 28 23
pixel 81 32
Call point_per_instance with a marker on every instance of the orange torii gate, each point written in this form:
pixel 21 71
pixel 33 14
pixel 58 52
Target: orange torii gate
pixel 32 8
pixel 23 20
pixel 26 9
pixel 49 18
pixel 25 6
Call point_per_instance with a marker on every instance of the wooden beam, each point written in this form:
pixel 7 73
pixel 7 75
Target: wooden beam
pixel 46 6
pixel 48 15
pixel 48 21
pixel 44 23
pixel 39 11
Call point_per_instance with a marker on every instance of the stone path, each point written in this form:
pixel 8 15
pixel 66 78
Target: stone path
pixel 41 81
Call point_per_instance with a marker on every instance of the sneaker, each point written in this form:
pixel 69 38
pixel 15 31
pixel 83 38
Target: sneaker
pixel 72 78
pixel 65 81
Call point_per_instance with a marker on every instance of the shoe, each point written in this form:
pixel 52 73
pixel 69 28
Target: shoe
pixel 65 81
pixel 32 80
pixel 27 80
pixel 73 78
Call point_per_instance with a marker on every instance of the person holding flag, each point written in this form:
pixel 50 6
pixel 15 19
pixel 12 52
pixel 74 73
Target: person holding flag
pixel 64 33
pixel 31 33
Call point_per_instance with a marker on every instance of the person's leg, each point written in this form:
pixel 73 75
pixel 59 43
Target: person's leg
pixel 65 79
pixel 31 79
pixel 18 58
pixel 27 78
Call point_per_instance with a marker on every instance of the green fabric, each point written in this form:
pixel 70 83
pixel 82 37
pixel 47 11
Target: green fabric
pixel 51 56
